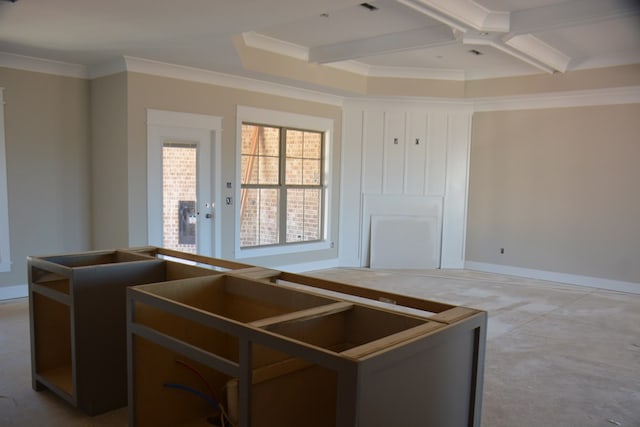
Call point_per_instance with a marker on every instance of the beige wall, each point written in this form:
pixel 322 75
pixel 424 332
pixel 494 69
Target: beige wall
pixel 597 78
pixel 558 189
pixel 554 187
pixel 146 91
pixel 47 148
pixel 109 162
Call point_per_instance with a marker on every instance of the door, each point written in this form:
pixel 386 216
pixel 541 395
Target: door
pixel 181 178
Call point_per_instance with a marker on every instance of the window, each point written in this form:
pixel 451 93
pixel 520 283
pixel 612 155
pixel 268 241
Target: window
pixel 5 259
pixel 283 173
pixel 282 185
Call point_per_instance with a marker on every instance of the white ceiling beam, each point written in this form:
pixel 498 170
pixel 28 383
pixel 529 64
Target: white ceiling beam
pixel 570 13
pixel 462 15
pixel 525 47
pixel 384 44
pixel 536 48
pixel 523 57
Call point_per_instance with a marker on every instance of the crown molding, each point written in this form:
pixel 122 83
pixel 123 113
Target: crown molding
pixel 180 72
pixel 583 98
pixel 608 96
pixel 40 65
pixel 409 103
pixel 118 65
pixel 416 73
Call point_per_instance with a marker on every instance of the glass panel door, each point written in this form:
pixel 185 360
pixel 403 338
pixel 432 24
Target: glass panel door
pixel 179 195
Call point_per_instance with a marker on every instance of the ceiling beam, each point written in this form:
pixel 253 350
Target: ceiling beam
pixel 426 37
pixel 462 15
pixel 539 50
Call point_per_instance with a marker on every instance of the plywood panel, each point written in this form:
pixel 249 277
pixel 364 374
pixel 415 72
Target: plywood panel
pixel 401 205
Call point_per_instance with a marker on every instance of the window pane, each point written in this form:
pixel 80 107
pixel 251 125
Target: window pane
pixel 259 217
pixel 264 169
pixel 260 154
pixel 250 139
pixel 249 169
pixel 260 140
pixel 294 171
pixel 268 170
pixel 179 168
pixel 312 214
pixel 295 139
pixel 312 172
pixel 269 141
pixel 303 214
pixel 260 170
pixel 312 145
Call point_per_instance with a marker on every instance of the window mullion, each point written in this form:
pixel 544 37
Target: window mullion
pixel 282 235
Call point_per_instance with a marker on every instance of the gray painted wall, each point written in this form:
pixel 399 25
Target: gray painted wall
pixel 48 173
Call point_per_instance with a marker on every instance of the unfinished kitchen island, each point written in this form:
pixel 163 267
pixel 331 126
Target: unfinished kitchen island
pixel 258 347
pixel 78 322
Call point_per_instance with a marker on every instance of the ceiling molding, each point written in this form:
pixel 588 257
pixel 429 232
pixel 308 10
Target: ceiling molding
pixel 118 65
pixel 383 103
pixel 583 98
pixel 607 96
pixel 180 72
pixel 39 65
pixel 417 73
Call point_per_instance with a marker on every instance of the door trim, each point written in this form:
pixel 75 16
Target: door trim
pixel 188 121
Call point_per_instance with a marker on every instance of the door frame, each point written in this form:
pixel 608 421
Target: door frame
pixel 162 124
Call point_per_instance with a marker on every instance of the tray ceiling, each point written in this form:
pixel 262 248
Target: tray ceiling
pixel 445 39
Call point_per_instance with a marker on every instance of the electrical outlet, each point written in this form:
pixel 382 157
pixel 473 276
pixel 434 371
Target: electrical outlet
pixel 501 250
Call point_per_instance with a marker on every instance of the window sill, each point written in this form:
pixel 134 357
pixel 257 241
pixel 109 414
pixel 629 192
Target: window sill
pixel 282 250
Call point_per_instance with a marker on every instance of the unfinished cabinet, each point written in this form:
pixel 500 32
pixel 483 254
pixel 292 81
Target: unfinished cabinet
pixel 258 347
pixel 78 321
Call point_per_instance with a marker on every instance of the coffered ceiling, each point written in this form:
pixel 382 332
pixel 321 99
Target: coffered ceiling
pixel 442 39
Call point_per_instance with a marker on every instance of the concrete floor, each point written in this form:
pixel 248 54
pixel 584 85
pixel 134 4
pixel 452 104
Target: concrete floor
pixel 557 355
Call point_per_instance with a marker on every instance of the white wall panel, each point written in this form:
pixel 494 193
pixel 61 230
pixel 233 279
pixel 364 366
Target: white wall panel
pixel 437 152
pixel 416 170
pixel 394 156
pixel 455 200
pixel 397 175
pixel 372 151
pixel 350 207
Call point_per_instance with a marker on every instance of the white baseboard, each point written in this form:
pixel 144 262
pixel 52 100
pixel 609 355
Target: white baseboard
pixel 573 279
pixel 11 292
pixel 309 266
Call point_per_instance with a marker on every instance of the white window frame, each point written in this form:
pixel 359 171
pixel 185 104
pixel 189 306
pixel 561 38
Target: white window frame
pixel 287 120
pixel 5 256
